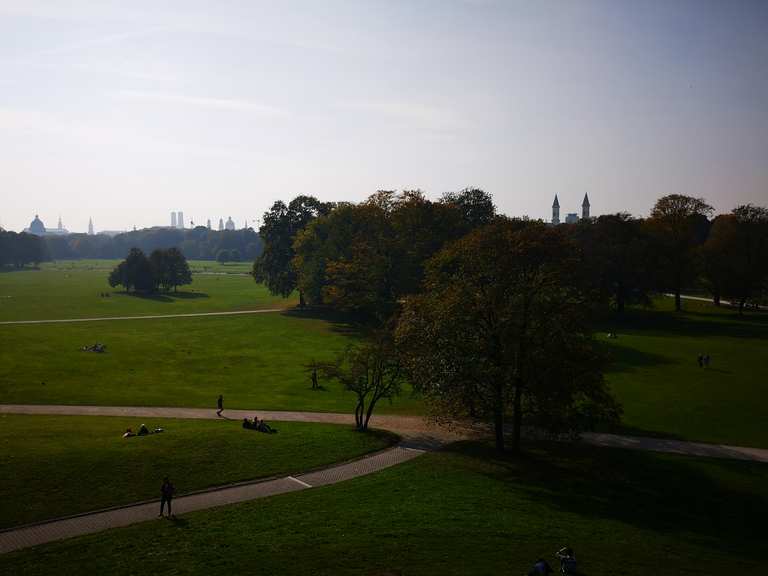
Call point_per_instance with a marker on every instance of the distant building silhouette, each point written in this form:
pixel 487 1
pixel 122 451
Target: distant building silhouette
pixel 180 219
pixel 221 224
pixel 90 226
pixel 37 228
pixel 572 217
pixel 173 219
pixel 230 225
pixel 208 224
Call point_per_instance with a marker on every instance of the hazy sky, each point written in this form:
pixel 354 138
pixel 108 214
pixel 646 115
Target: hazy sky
pixel 124 111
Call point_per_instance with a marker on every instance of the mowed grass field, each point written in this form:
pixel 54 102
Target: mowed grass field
pixel 73 289
pixel 60 465
pixel 655 374
pixel 256 361
pixel 461 511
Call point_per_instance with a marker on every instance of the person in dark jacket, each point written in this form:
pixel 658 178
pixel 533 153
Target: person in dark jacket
pixel 166 495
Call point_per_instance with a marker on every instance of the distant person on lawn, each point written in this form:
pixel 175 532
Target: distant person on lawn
pixel 220 405
pixel 166 495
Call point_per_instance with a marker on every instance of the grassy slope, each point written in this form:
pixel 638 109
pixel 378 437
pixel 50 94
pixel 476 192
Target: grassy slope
pixel 461 512
pixel 656 376
pixel 255 361
pixel 67 464
pixel 54 293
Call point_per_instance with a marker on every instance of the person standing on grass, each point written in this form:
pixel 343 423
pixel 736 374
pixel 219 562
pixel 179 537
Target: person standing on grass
pixel 166 495
pixel 220 405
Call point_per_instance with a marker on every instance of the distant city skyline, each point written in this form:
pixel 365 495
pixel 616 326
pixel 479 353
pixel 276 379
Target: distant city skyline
pixel 122 111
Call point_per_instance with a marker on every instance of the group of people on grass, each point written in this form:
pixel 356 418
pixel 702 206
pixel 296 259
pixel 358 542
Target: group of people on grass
pixel 258 425
pixel 567 564
pixel 703 360
pixel 143 431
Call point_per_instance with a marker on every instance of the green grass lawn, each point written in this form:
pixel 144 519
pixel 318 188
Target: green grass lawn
pixel 655 375
pixel 59 465
pixel 57 292
pixel 108 264
pixel 464 511
pixel 256 361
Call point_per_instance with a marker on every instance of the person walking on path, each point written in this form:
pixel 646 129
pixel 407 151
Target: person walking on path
pixel 220 405
pixel 166 495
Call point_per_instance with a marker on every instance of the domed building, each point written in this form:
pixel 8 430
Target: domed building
pixel 36 227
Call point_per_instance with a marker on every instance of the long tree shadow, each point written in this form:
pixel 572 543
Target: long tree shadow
pixel 722 500
pixel 164 296
pixel 340 322
pixel 697 323
pixel 625 359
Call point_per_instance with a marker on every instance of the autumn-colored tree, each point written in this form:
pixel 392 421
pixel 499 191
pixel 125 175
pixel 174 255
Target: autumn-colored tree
pixel 500 329
pixel 736 254
pixel 679 224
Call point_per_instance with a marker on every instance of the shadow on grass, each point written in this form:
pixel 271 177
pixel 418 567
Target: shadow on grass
pixel 722 500
pixel 626 359
pixel 340 322
pixel 695 322
pixel 164 296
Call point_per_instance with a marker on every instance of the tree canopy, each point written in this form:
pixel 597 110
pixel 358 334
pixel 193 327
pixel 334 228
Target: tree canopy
pixel 500 328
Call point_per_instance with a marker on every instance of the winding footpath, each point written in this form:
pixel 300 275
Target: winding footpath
pixel 418 436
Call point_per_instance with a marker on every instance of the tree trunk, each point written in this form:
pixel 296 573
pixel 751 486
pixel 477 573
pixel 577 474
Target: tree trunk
pixel 620 300
pixel 368 414
pixel 716 298
pixel 517 423
pixel 741 307
pixel 498 428
pixel 678 305
pixel 359 415
pixel 302 303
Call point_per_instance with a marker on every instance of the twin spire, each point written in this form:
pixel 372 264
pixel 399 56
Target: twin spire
pixel 572 218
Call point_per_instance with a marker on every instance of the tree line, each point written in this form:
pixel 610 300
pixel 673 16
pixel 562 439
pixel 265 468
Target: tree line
pixel 198 243
pixel 166 269
pixel 19 249
pixel 488 316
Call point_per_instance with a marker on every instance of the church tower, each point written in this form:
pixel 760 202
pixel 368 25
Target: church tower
pixel 585 208
pixel 556 211
pixel 90 226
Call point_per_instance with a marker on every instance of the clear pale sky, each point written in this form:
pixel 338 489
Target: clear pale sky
pixel 124 111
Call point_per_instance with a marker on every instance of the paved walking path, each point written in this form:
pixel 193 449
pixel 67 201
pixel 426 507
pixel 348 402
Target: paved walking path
pixel 418 435
pixel 41 533
pixel 153 317
pixel 711 301
pixel 415 430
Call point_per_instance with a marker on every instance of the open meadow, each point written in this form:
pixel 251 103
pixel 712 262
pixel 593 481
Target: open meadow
pixel 76 289
pixel 465 510
pixel 259 361
pixel 65 465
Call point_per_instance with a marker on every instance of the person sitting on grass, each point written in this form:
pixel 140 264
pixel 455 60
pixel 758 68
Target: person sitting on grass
pixel 567 561
pixel 143 430
pixel 128 433
pixel 262 426
pixel 540 568
pixel 247 423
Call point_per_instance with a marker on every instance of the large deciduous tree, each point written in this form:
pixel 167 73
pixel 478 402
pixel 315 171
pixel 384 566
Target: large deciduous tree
pixel 476 206
pixel 274 267
pixel 679 224
pixel 500 330
pixel 736 255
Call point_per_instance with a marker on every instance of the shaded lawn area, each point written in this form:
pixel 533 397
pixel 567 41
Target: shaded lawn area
pixel 60 293
pixel 255 361
pixel 60 465
pixel 655 375
pixel 463 511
